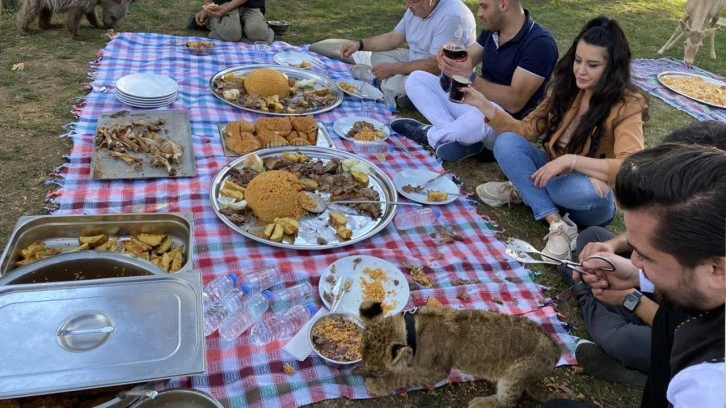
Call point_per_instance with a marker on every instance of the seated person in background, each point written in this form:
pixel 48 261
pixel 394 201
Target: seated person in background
pixel 426 26
pixel 672 198
pixel 584 143
pixel 621 348
pixel 233 20
pixel 517 57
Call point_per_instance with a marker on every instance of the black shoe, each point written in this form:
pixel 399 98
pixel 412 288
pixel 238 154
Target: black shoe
pixel 412 129
pixel 595 362
pixel 455 151
pixel 403 102
pixel 192 24
pixel 486 156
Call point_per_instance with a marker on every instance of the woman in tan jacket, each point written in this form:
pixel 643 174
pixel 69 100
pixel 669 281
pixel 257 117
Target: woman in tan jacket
pixel 591 120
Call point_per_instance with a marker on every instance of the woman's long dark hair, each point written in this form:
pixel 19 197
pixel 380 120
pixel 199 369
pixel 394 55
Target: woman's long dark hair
pixel 602 32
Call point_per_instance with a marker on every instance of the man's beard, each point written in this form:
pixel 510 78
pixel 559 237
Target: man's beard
pixel 665 299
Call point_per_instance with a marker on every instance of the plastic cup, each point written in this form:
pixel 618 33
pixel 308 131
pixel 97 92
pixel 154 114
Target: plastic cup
pixel 260 51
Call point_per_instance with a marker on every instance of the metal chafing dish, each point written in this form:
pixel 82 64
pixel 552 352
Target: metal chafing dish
pixel 92 319
pixel 62 231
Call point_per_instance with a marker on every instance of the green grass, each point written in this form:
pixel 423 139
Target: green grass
pixel 36 103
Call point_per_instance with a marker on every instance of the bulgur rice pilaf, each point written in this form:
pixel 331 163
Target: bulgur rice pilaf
pixel 373 289
pixel 338 339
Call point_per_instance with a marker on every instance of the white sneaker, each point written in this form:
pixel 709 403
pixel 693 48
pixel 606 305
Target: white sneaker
pixel 561 239
pixel 498 193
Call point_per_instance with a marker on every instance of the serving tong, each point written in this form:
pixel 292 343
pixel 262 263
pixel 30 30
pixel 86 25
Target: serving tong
pixel 520 250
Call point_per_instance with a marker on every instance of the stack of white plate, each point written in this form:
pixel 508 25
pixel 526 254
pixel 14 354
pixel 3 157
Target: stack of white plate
pixel 146 90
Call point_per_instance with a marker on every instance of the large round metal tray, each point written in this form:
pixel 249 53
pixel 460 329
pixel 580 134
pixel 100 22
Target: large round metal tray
pixel 714 82
pixel 322 82
pixel 313 226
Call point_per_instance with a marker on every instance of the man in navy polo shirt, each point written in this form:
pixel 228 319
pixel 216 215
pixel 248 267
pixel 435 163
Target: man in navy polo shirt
pixel 517 56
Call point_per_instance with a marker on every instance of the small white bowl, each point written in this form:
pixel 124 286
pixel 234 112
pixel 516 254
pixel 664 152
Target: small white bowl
pixel 337 315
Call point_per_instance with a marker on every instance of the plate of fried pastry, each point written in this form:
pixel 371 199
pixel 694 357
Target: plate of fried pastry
pixel 276 90
pixel 358 128
pixel 268 197
pixel 241 136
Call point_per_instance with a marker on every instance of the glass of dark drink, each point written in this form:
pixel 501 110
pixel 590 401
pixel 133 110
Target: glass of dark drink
pixel 455 52
pixel 458 82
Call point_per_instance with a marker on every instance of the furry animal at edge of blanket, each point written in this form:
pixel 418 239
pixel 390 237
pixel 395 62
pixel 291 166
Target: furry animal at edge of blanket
pixel 113 11
pixel 698 23
pixel 514 351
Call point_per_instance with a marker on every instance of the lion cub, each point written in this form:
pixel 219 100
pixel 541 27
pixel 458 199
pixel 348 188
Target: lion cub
pixel 513 351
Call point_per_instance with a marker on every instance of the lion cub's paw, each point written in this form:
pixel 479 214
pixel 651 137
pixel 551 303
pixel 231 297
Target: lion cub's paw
pixel 378 386
pixel 484 402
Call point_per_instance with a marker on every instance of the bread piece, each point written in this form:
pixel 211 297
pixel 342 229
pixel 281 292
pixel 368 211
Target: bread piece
pixel 305 124
pixel 434 195
pixel 243 143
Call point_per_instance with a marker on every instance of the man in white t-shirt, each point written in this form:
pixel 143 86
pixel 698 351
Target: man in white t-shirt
pixel 426 26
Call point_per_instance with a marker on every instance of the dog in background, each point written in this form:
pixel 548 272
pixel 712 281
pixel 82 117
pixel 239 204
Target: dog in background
pixel 113 11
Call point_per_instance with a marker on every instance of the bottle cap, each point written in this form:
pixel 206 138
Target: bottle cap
pixel 268 294
pixel 311 307
pixel 233 277
pixel 247 289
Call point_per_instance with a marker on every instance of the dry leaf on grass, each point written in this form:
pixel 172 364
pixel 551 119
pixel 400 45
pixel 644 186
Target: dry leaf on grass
pixel 18 67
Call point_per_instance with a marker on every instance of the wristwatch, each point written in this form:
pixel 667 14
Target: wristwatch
pixel 632 301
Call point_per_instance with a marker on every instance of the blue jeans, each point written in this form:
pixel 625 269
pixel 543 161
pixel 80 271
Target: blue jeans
pixel 573 193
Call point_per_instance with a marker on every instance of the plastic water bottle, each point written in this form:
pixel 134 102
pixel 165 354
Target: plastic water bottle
pixel 261 279
pixel 250 313
pixel 283 299
pixel 281 325
pixel 216 289
pixel 230 303
pixel 416 218
pixel 371 147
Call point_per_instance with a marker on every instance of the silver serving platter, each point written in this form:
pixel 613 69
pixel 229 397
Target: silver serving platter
pixel 705 78
pixel 323 140
pixel 297 73
pixel 314 226
pixel 177 127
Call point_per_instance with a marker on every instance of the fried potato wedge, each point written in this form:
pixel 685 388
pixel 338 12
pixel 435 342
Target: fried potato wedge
pixel 93 241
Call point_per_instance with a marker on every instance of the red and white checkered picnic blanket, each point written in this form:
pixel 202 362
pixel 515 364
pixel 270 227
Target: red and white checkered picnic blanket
pixel 238 372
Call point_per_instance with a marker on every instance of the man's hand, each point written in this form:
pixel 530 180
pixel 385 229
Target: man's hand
pixel 593 247
pixel 215 10
pixel 385 70
pixel 625 275
pixel 613 297
pixel 201 17
pixel 452 67
pixel 348 49
pixel 554 168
